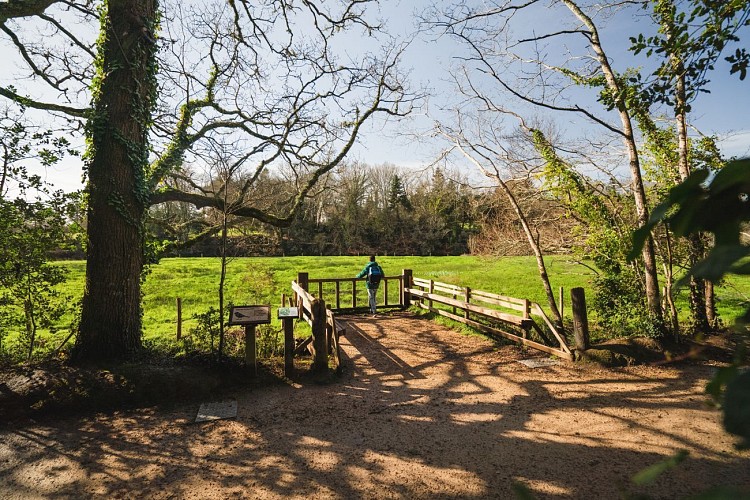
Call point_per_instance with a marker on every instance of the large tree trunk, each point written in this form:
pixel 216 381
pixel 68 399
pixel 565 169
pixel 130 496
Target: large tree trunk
pixel 651 277
pixel 698 303
pixel 110 325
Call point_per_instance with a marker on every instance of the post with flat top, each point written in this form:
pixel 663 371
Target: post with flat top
pixel 250 358
pixel 405 283
pixel 287 315
pixel 303 280
pixel 248 317
pixel 179 318
pixel 320 344
pixel 580 318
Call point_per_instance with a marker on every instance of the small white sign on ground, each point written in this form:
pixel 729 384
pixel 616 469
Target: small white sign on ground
pixel 539 362
pixel 217 410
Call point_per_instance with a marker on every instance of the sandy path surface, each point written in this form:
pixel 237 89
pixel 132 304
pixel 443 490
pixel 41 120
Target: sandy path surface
pixel 420 412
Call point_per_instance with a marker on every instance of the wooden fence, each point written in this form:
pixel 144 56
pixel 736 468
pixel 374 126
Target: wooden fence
pixel 326 330
pixel 516 319
pixel 343 294
pixel 520 316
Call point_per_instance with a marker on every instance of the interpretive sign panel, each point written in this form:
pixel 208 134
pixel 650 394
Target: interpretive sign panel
pixel 288 312
pixel 250 315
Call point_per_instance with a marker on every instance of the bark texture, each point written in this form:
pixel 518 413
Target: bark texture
pixel 110 326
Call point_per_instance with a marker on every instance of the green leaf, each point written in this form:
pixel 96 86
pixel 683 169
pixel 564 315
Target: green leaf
pixel 737 408
pixel 722 377
pixel 650 474
pixel 735 174
pixel 720 260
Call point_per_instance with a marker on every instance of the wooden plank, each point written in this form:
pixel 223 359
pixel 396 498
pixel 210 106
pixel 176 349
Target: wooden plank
pixel 467 298
pixel 540 312
pixel 541 333
pixel 495 296
pixel 479 295
pixel 306 298
pixel 508 318
pixel 487 329
pixel 341 327
pixel 448 290
pixel 344 280
pixel 320 338
pixel 302 346
pixel 451 289
pixel 288 324
pixel 420 282
pixel 335 330
pixel 497 302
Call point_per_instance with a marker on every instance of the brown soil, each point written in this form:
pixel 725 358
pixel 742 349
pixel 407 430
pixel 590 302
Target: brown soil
pixel 420 412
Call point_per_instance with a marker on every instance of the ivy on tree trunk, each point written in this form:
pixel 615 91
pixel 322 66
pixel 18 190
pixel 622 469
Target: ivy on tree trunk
pixel 117 158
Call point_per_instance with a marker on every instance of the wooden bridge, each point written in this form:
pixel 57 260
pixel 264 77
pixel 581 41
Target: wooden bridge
pixel 322 302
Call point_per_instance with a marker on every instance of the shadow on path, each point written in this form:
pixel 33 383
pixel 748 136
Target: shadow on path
pixel 421 412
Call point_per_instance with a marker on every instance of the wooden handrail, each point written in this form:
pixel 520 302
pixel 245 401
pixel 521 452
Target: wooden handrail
pixel 426 289
pixel 460 304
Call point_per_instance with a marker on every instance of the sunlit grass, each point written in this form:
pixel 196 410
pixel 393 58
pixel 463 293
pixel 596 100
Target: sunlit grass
pixel 263 280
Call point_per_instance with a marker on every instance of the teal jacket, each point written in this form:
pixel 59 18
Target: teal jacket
pixel 366 271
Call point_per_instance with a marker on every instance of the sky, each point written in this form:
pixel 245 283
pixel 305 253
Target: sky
pixel 407 143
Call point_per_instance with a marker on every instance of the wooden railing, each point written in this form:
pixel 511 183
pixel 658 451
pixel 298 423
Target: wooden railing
pixel 342 294
pixel 325 329
pixel 505 313
pixel 512 318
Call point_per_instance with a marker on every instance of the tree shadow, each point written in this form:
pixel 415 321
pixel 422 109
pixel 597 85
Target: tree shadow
pixel 415 415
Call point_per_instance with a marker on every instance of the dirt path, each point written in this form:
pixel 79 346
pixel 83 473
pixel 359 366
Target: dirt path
pixel 421 412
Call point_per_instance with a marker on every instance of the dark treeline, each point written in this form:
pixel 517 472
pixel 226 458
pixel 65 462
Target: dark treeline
pixel 369 209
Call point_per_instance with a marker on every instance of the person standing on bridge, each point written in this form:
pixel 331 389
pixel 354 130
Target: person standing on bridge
pixel 374 274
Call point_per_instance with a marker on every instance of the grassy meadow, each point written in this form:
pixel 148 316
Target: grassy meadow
pixel 262 280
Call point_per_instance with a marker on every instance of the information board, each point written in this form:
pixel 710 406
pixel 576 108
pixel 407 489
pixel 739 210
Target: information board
pixel 288 312
pixel 250 315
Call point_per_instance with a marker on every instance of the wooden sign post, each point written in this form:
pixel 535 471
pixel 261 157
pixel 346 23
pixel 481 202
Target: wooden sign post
pixel 249 316
pixel 287 315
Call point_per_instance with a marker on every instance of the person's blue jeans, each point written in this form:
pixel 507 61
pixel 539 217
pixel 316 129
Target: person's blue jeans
pixel 372 294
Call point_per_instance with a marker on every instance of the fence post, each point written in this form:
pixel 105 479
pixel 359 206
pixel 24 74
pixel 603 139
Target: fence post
pixel 303 280
pixel 405 283
pixel 467 298
pixel 250 359
pixel 580 318
pixel 288 324
pixel 431 290
pixel 179 318
pixel 320 360
pixel 561 305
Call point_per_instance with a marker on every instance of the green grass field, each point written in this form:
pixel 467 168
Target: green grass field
pixel 263 280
